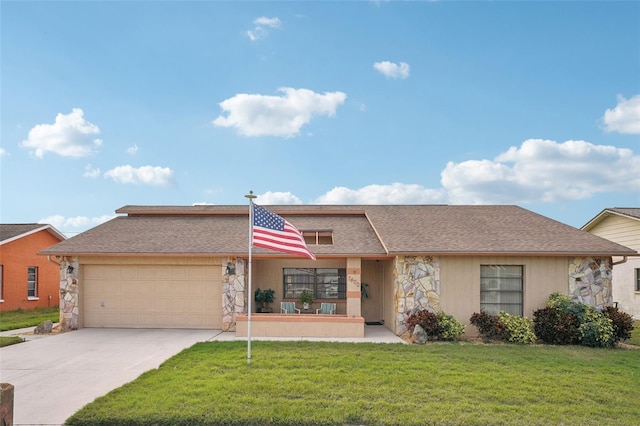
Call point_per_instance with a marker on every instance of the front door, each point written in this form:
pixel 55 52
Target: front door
pixel 372 304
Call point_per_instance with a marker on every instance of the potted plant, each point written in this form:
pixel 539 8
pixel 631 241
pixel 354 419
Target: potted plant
pixel 264 298
pixel 306 298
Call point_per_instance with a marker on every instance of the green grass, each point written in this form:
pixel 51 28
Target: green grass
pixel 10 340
pixel 306 383
pixel 635 334
pixel 22 318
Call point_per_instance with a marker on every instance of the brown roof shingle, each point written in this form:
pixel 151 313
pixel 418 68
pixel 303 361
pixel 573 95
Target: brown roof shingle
pixel 362 230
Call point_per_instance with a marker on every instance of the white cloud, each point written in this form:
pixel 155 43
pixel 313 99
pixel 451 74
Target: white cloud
pixel 267 22
pixel 273 198
pixel 259 30
pixel 90 172
pixel 625 117
pixel 395 193
pixel 70 136
pixel 393 70
pixel 543 171
pixel 132 150
pixel 74 225
pixel 146 175
pixel 3 152
pixel 262 115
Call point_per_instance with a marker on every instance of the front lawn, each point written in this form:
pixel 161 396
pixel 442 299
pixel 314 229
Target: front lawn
pixel 635 334
pixel 23 318
pixel 306 383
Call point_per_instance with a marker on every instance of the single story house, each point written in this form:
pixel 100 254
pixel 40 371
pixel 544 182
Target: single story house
pixel 622 225
pixel 187 267
pixel 27 281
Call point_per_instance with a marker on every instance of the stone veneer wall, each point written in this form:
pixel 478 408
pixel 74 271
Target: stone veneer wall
pixel 590 281
pixel 69 299
pixel 416 287
pixel 233 292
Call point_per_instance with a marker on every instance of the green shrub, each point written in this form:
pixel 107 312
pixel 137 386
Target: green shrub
pixel 451 327
pixel 567 322
pixel 555 327
pixel 428 321
pixel 567 306
pixel 622 323
pixel 489 326
pixel 597 331
pixel 438 326
pixel 516 329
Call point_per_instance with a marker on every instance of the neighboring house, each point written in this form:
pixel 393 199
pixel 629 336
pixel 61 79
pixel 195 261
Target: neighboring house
pixel 186 267
pixel 622 225
pixel 27 280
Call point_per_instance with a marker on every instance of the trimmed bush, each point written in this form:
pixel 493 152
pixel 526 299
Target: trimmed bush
pixel 451 327
pixel 428 321
pixel 597 331
pixel 554 327
pixel 489 326
pixel 621 321
pixel 438 326
pixel 516 329
pixel 565 322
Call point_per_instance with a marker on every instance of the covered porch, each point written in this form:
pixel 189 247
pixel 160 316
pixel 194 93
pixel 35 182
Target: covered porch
pixel 300 325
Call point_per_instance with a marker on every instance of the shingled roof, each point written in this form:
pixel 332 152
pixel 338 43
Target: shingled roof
pixel 360 230
pixel 629 212
pixel 12 231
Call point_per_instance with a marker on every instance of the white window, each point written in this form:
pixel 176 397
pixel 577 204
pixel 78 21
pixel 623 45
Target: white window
pixel 32 281
pixel 501 289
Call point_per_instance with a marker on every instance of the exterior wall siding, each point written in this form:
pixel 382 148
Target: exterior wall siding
pixel 15 257
pixel 625 231
pixel 452 284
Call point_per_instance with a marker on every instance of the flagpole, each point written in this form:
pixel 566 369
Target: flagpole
pixel 251 197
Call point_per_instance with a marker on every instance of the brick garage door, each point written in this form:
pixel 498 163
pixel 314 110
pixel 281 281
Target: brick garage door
pixel 151 296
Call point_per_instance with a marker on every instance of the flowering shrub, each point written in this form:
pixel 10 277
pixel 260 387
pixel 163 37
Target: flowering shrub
pixel 517 329
pixel 438 326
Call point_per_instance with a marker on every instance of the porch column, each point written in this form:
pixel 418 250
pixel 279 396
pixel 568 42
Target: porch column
pixel 354 272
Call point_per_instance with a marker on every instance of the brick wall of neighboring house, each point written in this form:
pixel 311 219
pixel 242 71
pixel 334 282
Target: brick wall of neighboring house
pixel 15 258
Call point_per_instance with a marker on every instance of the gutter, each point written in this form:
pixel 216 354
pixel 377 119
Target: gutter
pixel 624 260
pixel 54 262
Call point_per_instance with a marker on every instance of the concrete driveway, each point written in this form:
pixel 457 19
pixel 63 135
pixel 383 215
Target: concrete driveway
pixel 56 375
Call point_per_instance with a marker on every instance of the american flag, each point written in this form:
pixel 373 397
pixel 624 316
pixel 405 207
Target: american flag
pixel 273 232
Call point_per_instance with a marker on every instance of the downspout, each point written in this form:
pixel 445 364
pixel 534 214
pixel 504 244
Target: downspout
pixel 624 260
pixel 52 261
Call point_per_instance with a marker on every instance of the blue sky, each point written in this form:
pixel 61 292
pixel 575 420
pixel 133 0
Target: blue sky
pixel 109 103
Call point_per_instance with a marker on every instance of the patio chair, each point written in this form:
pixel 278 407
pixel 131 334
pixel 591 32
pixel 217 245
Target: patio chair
pixel 288 308
pixel 326 309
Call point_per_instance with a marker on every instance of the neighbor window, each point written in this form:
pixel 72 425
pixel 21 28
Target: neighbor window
pixel 318 237
pixel 501 288
pixel 32 281
pixel 637 279
pixel 1 287
pixel 324 283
